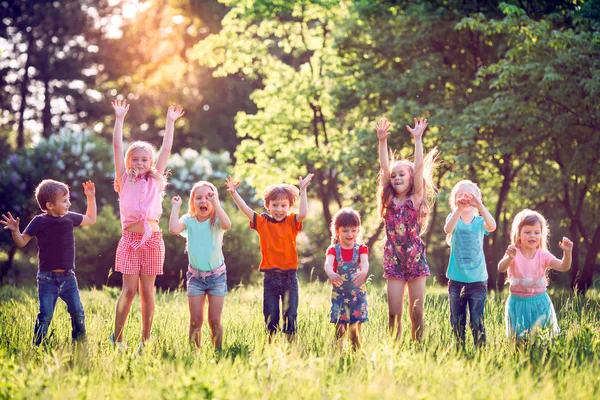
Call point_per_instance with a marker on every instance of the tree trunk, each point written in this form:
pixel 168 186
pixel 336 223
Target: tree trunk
pixel 589 265
pixel 47 111
pixel 23 92
pixel 8 264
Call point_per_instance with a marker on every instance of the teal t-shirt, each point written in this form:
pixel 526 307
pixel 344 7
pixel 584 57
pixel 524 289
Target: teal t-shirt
pixel 467 262
pixel 204 245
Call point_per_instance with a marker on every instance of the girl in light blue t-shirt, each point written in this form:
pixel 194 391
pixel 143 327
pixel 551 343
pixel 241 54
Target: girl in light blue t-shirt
pixel 203 226
pixel 467 274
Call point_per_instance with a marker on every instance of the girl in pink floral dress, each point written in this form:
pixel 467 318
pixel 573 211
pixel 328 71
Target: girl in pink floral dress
pixel 406 193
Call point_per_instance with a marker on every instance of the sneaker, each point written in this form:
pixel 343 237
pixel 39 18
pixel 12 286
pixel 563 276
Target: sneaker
pixel 120 346
pixel 142 345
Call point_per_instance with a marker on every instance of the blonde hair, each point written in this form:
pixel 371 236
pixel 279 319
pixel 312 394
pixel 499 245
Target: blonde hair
pixel 345 217
pixel 48 190
pixel 386 192
pixel 280 191
pixel 529 217
pixel 452 199
pixel 192 210
pixel 153 173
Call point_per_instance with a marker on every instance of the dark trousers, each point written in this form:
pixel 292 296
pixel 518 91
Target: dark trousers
pixel 472 296
pixel 280 287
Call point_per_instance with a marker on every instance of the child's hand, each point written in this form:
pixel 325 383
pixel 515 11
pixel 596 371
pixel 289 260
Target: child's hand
pixel 213 197
pixel 566 245
pixel 121 107
pixel 469 199
pixel 176 201
pixel 382 129
pixel 419 128
pixel 360 277
pixel 89 189
pixel 231 184
pixel 335 278
pixel 10 223
pixel 511 251
pixel 303 183
pixel 174 112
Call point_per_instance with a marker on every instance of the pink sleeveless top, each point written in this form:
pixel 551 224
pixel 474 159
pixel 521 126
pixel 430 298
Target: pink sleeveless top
pixel 140 200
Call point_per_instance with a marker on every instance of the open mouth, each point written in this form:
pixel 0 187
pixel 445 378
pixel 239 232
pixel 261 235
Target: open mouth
pixel 203 208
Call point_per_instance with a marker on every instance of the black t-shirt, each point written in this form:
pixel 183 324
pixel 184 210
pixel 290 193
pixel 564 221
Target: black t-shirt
pixel 55 240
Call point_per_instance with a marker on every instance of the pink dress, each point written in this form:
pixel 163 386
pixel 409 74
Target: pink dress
pixel 404 253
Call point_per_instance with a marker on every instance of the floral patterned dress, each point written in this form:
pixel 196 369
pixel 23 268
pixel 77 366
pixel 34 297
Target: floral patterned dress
pixel 348 301
pixel 404 253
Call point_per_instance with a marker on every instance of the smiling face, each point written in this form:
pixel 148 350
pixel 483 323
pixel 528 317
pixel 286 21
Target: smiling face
pixel 530 237
pixel 141 161
pixel 400 178
pixel 201 201
pixel 59 206
pixel 347 235
pixel 279 208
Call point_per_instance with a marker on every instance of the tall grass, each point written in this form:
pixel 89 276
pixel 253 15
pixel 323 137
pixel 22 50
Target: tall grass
pixel 312 367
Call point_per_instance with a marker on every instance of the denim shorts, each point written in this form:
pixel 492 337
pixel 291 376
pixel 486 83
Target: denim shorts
pixel 215 285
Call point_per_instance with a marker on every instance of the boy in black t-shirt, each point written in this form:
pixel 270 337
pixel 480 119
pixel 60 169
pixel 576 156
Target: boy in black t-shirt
pixel 56 252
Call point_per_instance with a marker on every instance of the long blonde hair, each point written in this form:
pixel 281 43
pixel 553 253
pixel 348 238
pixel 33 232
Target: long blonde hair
pixel 192 210
pixel 153 173
pixel 529 217
pixel 386 192
pixel 345 217
pixel 452 199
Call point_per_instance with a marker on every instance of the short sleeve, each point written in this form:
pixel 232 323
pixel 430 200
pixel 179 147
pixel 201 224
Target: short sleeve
pixel 256 220
pixel 75 218
pixel 546 258
pixel 363 249
pixel 33 227
pixel 330 251
pixel 297 225
pixel 185 219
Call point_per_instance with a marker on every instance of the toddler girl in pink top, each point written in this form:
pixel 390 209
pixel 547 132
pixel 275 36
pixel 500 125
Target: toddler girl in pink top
pixel 527 261
pixel 141 251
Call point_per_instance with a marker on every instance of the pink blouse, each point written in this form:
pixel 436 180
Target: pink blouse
pixel 140 200
pixel 527 277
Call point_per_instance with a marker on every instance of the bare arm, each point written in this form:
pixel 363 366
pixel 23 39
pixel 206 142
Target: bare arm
pixel 417 132
pixel 565 264
pixel 361 275
pixel 12 224
pixel 509 256
pixel 224 221
pixel 451 222
pixel 121 107
pixel 241 204
pixel 335 278
pixel 92 211
pixel 383 128
pixel 173 113
pixel 175 226
pixel 303 206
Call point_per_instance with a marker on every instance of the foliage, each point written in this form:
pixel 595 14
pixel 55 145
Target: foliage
pixel 312 367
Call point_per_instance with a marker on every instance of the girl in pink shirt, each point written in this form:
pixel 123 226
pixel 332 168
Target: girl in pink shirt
pixel 527 261
pixel 141 251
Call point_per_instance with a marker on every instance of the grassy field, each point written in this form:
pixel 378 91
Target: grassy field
pixel 567 366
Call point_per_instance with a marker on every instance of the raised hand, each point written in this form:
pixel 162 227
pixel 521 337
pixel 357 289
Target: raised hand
pixel 176 201
pixel 10 223
pixel 566 244
pixel 174 112
pixel 121 107
pixel 383 128
pixel 213 197
pixel 231 184
pixel 469 199
pixel 89 189
pixel 303 183
pixel 511 251
pixel 420 126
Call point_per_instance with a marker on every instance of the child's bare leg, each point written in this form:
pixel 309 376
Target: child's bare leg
pixel 395 293
pixel 215 309
pixel 355 335
pixel 128 292
pixel 147 301
pixel 196 304
pixel 416 297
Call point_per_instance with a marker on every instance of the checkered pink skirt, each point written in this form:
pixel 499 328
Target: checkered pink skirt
pixel 145 260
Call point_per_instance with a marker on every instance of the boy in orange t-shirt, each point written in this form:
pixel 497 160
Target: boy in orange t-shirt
pixel 279 260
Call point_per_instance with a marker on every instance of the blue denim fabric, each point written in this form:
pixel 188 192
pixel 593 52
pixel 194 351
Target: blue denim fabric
pixel 471 295
pixel 280 286
pixel 51 286
pixel 214 285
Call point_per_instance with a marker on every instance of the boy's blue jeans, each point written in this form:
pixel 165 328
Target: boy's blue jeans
pixel 51 286
pixel 280 286
pixel 471 295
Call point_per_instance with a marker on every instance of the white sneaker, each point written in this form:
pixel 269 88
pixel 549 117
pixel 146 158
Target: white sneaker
pixel 120 346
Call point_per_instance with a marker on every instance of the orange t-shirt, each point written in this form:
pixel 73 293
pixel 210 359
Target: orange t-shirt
pixel 277 242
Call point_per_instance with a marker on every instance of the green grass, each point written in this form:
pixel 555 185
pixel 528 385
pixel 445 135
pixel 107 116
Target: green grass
pixel 567 366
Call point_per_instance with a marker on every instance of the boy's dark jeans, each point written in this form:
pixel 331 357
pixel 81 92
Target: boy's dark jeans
pixel 472 295
pixel 280 286
pixel 51 286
